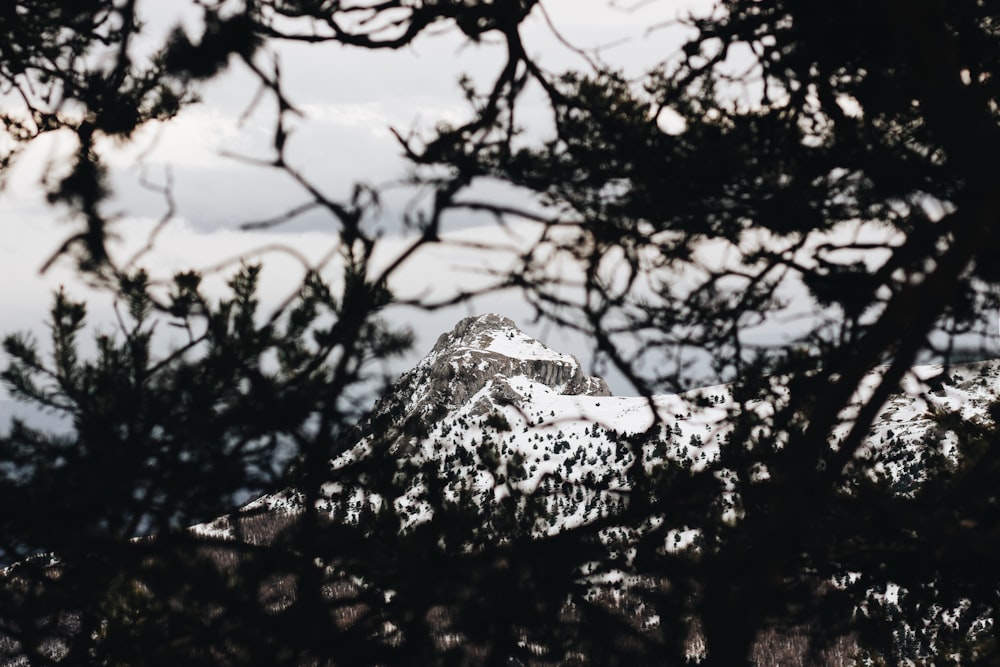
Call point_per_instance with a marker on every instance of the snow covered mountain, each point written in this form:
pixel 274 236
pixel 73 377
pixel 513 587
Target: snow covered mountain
pixel 493 416
pixel 496 414
pixel 496 426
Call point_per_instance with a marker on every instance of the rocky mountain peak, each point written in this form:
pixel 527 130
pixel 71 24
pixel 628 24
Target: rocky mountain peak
pixel 475 363
pixel 475 332
pixel 490 347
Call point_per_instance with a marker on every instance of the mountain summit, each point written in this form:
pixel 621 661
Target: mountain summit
pixel 495 413
pixel 486 346
pixel 488 362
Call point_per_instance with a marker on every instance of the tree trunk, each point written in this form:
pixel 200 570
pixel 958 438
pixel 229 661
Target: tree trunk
pixel 731 615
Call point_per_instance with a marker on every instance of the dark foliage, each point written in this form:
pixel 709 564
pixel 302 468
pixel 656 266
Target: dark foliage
pixel 883 115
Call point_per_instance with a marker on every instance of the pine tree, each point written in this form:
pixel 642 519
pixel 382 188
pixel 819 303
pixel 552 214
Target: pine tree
pixel 800 130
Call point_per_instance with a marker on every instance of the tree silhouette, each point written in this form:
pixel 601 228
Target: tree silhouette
pixel 831 160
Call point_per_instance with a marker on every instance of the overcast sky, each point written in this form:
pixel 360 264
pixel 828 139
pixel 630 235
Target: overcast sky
pixel 350 99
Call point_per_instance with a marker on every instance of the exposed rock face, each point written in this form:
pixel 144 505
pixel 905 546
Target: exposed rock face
pixel 483 350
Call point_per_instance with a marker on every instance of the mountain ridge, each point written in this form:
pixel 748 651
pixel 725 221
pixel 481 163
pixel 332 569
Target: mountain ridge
pixel 493 414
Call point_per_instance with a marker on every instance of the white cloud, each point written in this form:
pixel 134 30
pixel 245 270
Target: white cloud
pixel 196 137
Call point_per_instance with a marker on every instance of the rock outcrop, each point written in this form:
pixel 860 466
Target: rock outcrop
pixel 482 350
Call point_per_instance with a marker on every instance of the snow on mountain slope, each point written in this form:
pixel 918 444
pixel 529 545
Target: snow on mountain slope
pixel 910 416
pixel 496 416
